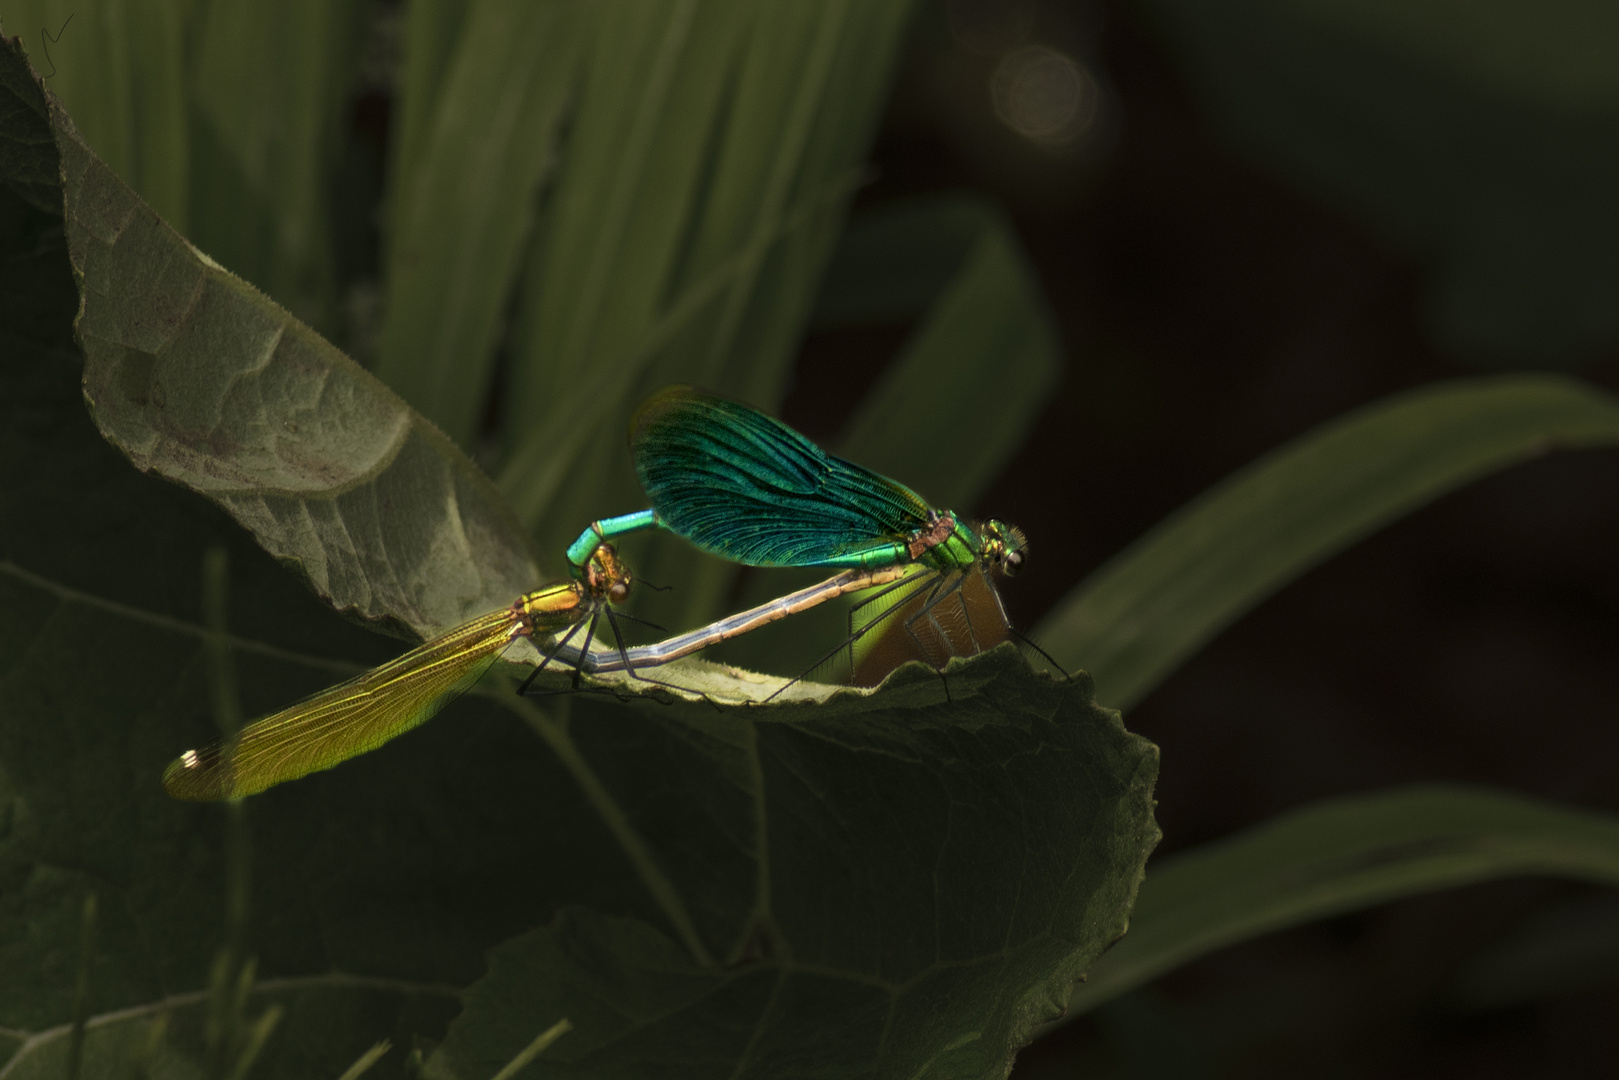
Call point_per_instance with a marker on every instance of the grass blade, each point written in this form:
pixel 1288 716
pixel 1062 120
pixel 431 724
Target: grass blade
pixel 693 214
pixel 1137 618
pixel 534 1049
pixel 431 34
pixel 464 203
pixel 267 90
pixel 363 1063
pixel 119 68
pixel 1338 856
pixel 81 991
pixel 610 239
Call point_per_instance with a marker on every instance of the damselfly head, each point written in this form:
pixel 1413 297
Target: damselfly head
pixel 606 575
pixel 1005 546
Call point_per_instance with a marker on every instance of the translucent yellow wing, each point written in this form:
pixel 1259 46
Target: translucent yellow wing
pixel 344 721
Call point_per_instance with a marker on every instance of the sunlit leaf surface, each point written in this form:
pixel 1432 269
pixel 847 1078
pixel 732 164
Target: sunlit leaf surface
pixel 201 379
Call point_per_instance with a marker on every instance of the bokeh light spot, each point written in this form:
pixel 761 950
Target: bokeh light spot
pixel 1045 96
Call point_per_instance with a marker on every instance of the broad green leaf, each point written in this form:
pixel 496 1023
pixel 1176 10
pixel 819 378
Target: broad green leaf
pixel 268 85
pixel 77 798
pixel 464 201
pixel 407 864
pixel 1344 855
pixel 1397 111
pixel 727 833
pixel 28 160
pixel 896 891
pixel 37 295
pixel 119 68
pixel 201 379
pixel 1142 614
pixel 91 551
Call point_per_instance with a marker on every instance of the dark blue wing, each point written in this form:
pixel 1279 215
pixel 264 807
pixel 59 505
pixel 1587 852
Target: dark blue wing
pixel 744 486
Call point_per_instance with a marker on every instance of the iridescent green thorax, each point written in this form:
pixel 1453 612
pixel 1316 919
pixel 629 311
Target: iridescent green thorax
pixel 958 549
pixel 991 544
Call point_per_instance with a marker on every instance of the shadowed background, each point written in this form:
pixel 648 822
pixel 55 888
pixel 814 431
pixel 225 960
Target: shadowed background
pixel 1264 226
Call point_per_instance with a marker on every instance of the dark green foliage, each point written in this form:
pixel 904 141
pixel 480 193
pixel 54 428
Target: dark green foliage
pixel 859 852
pixel 1478 139
pixel 894 883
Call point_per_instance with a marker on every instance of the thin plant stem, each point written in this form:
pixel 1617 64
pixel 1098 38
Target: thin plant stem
pixel 534 1049
pixel 81 992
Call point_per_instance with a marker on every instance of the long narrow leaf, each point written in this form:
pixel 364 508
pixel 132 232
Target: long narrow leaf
pixel 698 260
pixel 119 66
pixel 779 94
pixel 267 89
pixel 611 241
pixel 432 31
pixel 1344 855
pixel 463 210
pixel 1137 618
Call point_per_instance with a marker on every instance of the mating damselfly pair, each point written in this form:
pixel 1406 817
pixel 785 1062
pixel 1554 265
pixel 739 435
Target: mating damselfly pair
pixel 726 477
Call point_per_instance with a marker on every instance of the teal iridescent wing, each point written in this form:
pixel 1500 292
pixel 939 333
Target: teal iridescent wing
pixel 742 485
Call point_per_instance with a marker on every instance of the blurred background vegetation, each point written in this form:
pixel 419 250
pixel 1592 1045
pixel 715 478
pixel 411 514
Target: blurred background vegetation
pixel 1184 233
